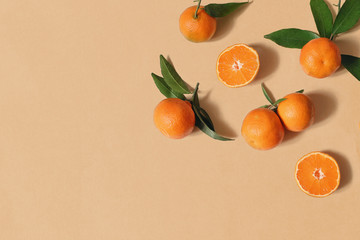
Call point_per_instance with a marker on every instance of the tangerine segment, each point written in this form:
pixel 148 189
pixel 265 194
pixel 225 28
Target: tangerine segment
pixel 237 65
pixel 317 174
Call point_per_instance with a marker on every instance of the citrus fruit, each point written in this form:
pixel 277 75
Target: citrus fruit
pixel 197 28
pixel 296 112
pixel 317 174
pixel 237 65
pixel 174 118
pixel 262 129
pixel 320 57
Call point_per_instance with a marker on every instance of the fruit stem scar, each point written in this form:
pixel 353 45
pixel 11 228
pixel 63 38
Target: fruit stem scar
pixel 318 174
pixel 197 9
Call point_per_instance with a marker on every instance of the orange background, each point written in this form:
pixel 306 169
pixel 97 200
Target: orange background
pixel 80 157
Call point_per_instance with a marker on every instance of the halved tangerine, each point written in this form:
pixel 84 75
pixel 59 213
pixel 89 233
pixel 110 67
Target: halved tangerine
pixel 237 65
pixel 317 174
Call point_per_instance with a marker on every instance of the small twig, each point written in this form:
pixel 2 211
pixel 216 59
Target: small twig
pixel 197 9
pixel 338 5
pixel 332 37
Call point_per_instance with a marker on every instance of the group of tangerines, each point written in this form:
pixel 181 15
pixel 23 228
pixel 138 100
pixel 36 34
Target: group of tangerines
pixel 263 128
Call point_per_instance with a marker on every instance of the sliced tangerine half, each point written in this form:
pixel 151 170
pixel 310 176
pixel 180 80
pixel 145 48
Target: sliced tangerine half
pixel 317 174
pixel 237 65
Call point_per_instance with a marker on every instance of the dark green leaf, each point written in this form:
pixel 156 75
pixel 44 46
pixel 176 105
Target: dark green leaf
pixel 202 118
pixel 323 17
pixel 347 17
pixel 266 94
pixel 352 64
pixel 279 101
pixel 300 91
pixel 207 119
pixel 201 124
pixel 165 89
pixel 221 10
pixel 195 97
pixel 172 78
pixel 195 101
pixel 292 37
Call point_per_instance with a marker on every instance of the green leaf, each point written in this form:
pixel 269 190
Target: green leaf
pixel 279 101
pixel 322 16
pixel 352 64
pixel 195 101
pixel 265 106
pixel 266 94
pixel 347 17
pixel 202 125
pixel 207 119
pixel 172 78
pixel 300 91
pixel 165 89
pixel 291 37
pixel 202 118
pixel 195 96
pixel 221 10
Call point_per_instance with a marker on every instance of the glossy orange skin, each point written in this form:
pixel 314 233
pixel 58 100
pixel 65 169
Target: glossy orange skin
pixel 320 58
pixel 262 129
pixel 174 118
pixel 297 112
pixel 197 30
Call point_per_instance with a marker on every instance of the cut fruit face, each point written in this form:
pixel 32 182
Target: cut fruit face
pixel 237 65
pixel 317 174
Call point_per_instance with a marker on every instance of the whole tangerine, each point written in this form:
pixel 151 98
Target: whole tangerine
pixel 262 129
pixel 174 118
pixel 197 28
pixel 320 57
pixel 296 112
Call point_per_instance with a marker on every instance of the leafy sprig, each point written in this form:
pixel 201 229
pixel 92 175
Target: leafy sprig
pixel 219 10
pixel 348 15
pixel 273 104
pixel 202 118
pixel 171 85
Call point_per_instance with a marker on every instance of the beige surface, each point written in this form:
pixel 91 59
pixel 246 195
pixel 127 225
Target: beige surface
pixel 80 157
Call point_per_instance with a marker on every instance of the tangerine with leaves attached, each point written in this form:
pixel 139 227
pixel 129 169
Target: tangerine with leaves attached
pixel 262 129
pixel 296 112
pixel 320 58
pixel 174 118
pixel 196 25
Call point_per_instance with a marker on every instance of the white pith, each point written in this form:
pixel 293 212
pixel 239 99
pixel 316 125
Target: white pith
pixel 321 174
pixel 237 65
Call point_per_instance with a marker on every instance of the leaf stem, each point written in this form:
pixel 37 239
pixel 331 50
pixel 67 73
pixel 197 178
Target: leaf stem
pixel 266 94
pixel 197 9
pixel 332 37
pixel 339 6
pixel 195 92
